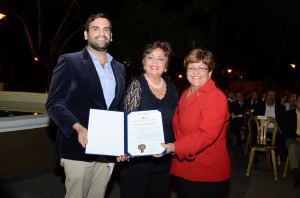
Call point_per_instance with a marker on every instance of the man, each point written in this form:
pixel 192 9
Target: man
pixel 231 98
pixel 275 110
pixel 81 81
pixel 263 96
pixel 253 101
pixel 270 107
pixel 237 117
pixel 291 129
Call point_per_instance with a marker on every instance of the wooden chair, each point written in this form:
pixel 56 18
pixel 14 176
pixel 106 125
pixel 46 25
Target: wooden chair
pixel 263 144
pixel 247 135
pixel 286 167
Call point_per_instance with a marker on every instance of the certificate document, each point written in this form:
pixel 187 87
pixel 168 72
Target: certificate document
pixel 114 133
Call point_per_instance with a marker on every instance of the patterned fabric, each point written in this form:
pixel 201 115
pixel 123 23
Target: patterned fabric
pixel 139 97
pixel 133 96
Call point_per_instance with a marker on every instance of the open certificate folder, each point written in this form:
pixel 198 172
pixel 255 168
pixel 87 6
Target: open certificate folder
pixel 114 133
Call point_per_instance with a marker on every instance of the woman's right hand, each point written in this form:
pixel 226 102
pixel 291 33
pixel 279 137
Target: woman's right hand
pixel 170 147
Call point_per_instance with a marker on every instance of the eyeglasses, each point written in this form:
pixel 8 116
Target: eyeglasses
pixel 193 68
pixel 153 59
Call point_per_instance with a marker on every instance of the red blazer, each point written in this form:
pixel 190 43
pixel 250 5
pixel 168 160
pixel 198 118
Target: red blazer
pixel 199 125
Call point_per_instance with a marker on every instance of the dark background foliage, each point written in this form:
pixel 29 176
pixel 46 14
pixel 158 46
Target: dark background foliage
pixel 257 39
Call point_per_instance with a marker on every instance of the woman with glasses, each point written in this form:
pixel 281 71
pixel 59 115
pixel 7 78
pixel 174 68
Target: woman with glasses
pixel 148 176
pixel 290 104
pixel 201 164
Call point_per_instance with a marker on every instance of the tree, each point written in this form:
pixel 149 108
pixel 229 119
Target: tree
pixel 50 26
pixel 183 23
pixel 258 38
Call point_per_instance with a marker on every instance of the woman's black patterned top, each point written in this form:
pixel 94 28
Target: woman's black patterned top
pixel 139 97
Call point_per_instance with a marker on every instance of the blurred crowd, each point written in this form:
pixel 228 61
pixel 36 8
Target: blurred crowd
pixel 283 106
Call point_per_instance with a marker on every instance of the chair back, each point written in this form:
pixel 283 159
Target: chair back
pixel 248 111
pixel 247 114
pixel 262 123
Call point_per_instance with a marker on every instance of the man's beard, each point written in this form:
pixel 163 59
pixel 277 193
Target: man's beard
pixel 97 47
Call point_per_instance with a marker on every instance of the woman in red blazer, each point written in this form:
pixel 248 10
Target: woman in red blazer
pixel 201 164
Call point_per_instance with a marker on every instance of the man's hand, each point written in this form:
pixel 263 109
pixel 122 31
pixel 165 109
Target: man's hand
pixel 82 134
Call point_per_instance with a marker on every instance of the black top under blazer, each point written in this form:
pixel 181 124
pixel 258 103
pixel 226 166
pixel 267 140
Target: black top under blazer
pixel 75 89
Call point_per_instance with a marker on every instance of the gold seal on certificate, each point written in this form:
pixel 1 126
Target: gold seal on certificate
pixel 142 147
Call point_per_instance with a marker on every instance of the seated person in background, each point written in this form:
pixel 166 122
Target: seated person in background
pixel 237 117
pixel 291 129
pixel 226 92
pixel 290 104
pixel 231 98
pixel 263 96
pixel 283 98
pixel 276 110
pixel 253 100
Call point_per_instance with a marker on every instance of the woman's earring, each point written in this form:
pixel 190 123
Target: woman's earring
pixel 165 70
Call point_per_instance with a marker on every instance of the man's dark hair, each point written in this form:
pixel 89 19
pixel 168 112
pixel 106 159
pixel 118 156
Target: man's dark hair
pixel 92 17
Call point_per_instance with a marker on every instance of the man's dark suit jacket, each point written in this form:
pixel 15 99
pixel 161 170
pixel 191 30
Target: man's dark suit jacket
pixel 248 105
pixel 236 122
pixel 75 89
pixel 279 111
pixel 236 109
pixel 289 125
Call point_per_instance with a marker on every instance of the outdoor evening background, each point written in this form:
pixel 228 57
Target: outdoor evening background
pixel 258 40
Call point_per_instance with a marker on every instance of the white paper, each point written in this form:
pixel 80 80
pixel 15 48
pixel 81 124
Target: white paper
pixel 106 133
pixel 145 130
pixel 262 117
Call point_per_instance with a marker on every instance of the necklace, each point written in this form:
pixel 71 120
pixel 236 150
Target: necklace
pixel 154 85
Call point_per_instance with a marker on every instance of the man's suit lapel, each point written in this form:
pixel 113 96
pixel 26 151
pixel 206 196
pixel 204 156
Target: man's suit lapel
pixel 88 62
